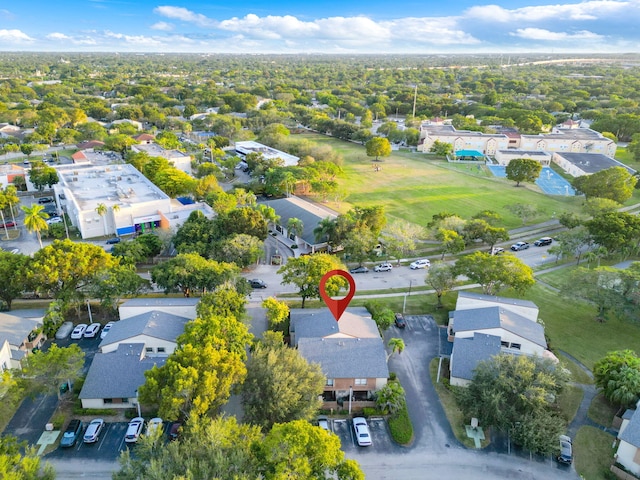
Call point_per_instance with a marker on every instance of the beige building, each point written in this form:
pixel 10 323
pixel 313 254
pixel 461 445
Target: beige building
pixel 178 159
pixel 486 143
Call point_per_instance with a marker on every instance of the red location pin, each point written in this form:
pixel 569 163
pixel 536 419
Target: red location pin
pixel 337 307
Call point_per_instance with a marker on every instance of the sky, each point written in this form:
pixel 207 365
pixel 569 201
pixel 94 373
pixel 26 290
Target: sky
pixel 329 26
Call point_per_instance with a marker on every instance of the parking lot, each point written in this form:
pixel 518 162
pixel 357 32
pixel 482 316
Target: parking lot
pixel 380 437
pixel 108 447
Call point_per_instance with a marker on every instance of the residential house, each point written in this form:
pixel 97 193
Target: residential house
pixel 9 172
pixel 114 378
pixel 483 326
pixel 628 453
pixel 350 353
pixel 311 214
pixel 20 333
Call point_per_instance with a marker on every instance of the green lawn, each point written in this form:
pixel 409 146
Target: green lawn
pixel 569 402
pixel 415 186
pixel 601 411
pixel 593 453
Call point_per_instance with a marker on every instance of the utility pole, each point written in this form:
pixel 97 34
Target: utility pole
pixel 415 97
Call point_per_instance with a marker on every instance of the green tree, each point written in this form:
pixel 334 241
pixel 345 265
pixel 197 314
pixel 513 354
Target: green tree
pixel 102 210
pixel 13 272
pixel 400 238
pixel 307 271
pixel 508 390
pixel 391 397
pixel 442 278
pixel 617 376
pixel 615 183
pixel 189 271
pixel 277 314
pixel 381 314
pixel 495 272
pixel 295 226
pixel 452 242
pixel 116 283
pixel 523 211
pixel 35 219
pixel 396 345
pixel 599 286
pixel 27 148
pixel 618 232
pixel 595 206
pixel 359 244
pixel 46 371
pixel 42 175
pixel 242 220
pixel 441 149
pixel 19 462
pixel 523 170
pixel 241 249
pixel 378 147
pixel 281 385
pixel 196 235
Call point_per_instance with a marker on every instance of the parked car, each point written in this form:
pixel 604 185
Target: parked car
pixel 420 264
pixel 133 430
pixel 153 425
pixel 92 330
pixel 566 450
pixel 8 225
pixel 71 434
pixel 78 332
pixel 363 437
pixel 45 200
pixel 516 247
pixel 257 283
pixel 383 267
pixel 15 251
pixel 106 329
pixel 541 242
pixel 174 431
pixel 360 269
pixel 52 220
pixel 497 251
pixel 113 241
pixel 399 319
pixel 93 431
pixel 323 423
pixel 64 330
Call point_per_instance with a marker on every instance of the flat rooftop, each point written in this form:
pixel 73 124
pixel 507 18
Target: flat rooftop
pixel 121 185
pixel 267 152
pixel 155 150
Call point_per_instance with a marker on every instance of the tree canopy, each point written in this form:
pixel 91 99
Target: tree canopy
pixel 523 170
pixel 495 272
pixel 617 376
pixel 615 183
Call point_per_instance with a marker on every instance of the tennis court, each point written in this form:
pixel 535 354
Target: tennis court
pixel 549 181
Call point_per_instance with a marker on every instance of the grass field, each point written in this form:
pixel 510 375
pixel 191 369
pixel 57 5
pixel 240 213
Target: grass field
pixel 593 453
pixel 415 186
pixel 601 411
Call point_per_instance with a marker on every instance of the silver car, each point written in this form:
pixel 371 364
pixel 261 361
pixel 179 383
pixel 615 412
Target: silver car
pixel 93 431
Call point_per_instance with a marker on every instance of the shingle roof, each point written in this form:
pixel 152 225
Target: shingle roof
pixel 495 299
pixel 631 434
pixel 155 324
pixel 310 214
pixel 467 352
pixel 118 374
pixel 346 357
pixel 592 162
pixel 16 326
pixel 157 302
pixel 496 317
pixel 315 323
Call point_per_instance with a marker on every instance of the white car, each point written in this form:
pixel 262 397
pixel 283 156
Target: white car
pixel 154 425
pixel 78 332
pixel 363 437
pixel 52 220
pixel 383 267
pixel 133 430
pixel 93 431
pixel 64 330
pixel 420 264
pixel 92 330
pixel 106 329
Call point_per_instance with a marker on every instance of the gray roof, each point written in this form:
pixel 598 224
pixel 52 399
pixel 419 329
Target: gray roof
pixel 118 374
pixel 592 162
pixel 162 325
pixel 531 153
pixel 319 322
pixel 631 434
pixel 450 130
pixel 496 299
pixel 311 215
pixel 346 357
pixel 16 326
pixel 467 352
pixel 476 319
pixel 160 302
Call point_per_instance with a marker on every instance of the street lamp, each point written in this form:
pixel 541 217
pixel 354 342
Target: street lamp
pixel 350 395
pixel 138 404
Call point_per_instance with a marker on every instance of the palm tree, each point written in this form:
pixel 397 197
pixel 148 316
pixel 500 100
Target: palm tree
pixel 11 194
pixel 326 230
pixel 115 209
pixel 397 345
pixel 35 219
pixel 295 226
pixel 101 210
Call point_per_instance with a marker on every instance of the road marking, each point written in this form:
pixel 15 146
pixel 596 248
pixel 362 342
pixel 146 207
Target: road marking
pixel 104 435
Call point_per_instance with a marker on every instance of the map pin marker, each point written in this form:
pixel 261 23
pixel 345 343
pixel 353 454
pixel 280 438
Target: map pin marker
pixel 337 307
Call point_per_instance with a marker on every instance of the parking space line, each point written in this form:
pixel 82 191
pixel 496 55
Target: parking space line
pixel 104 435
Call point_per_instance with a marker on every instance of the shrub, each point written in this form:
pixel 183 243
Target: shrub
pixel 58 421
pixel 401 427
pixel 371 411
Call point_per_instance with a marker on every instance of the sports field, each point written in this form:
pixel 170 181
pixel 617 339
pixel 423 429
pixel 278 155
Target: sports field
pixel 415 186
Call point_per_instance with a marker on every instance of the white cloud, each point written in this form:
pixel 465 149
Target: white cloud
pixel 437 31
pixel 542 34
pixel 57 36
pixel 180 13
pixel 163 26
pixel 61 37
pixel 14 36
pixel 589 10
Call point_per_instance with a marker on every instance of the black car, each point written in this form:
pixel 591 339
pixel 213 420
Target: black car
pixel 360 269
pixel 541 242
pixel 71 434
pixel 113 241
pixel 257 283
pixel 399 319
pixel 45 200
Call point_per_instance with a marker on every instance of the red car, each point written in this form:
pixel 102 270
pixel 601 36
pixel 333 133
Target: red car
pixel 8 225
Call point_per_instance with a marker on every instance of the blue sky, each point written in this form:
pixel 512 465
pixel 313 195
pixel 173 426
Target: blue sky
pixel 330 26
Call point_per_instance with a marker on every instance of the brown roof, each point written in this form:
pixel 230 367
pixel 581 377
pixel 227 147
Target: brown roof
pixel 90 144
pixel 144 137
pixel 79 156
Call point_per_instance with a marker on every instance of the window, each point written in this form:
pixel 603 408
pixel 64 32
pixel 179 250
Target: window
pixel 361 381
pixel 149 349
pixel 504 344
pixel 161 350
pixel 108 400
pixel 329 382
pixel 515 346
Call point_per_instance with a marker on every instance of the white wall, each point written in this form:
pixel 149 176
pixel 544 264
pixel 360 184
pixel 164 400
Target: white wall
pixel 186 311
pixel 149 342
pixel 98 403
pixel 626 454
